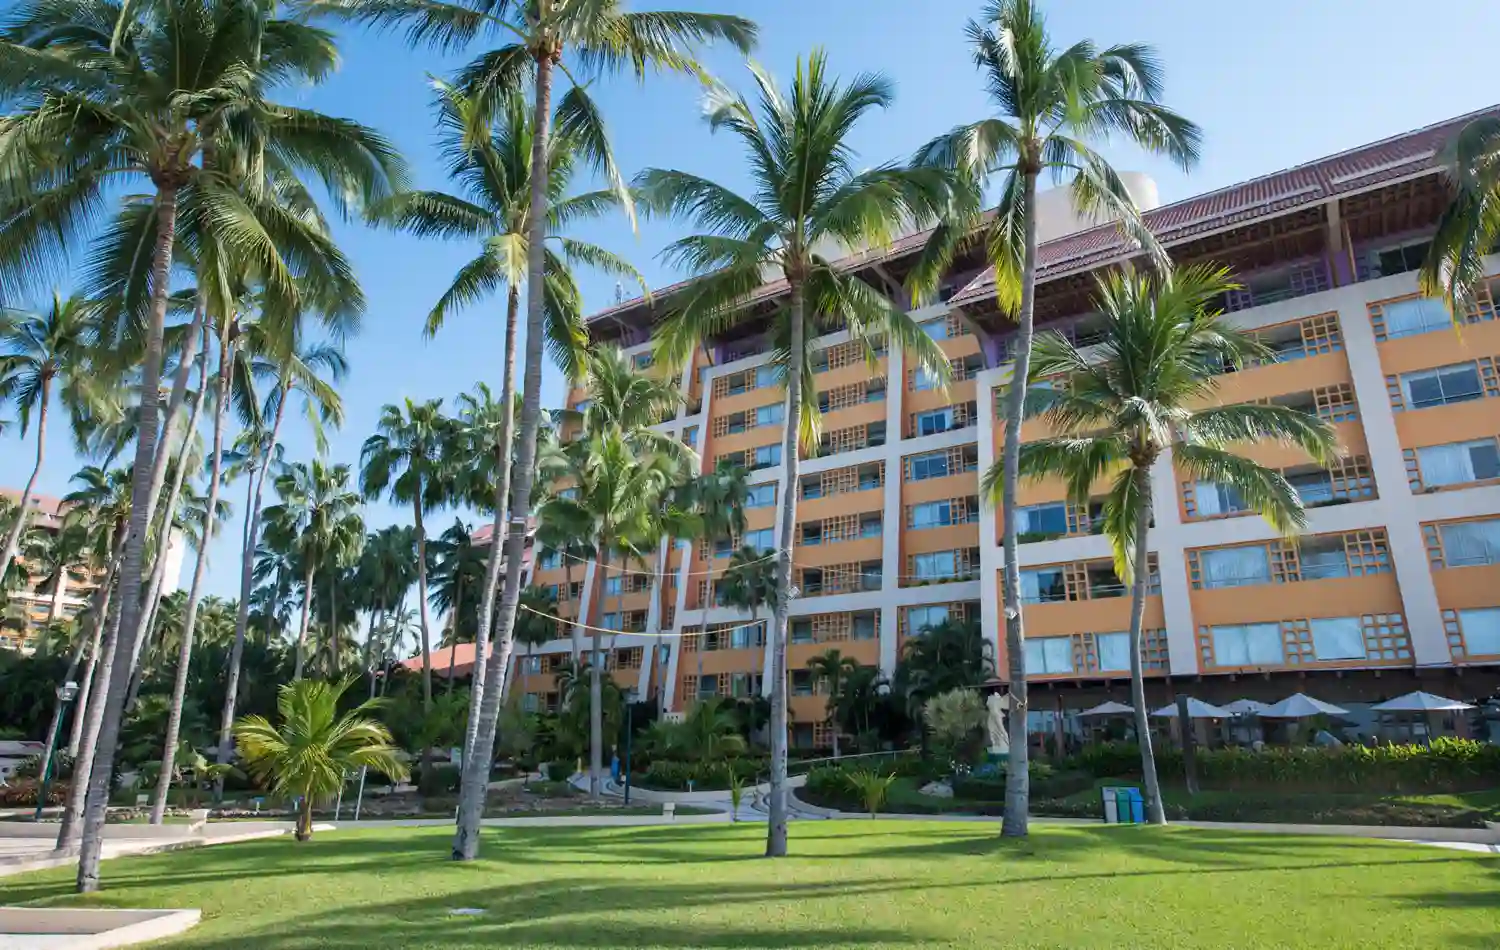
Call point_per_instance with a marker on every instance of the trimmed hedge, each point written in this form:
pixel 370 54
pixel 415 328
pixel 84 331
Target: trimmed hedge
pixel 1447 765
pixel 668 776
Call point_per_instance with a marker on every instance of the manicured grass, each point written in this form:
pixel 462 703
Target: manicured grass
pixel 849 884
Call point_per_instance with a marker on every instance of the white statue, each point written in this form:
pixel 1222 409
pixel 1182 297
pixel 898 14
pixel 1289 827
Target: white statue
pixel 999 739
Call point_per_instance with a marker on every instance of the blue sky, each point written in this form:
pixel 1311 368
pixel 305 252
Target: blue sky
pixel 1273 84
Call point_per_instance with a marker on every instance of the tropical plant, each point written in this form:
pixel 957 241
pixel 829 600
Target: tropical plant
pixel 871 787
pixel 736 796
pixel 404 461
pixel 159 97
pixel 386 571
pixel 807 196
pixel 954 718
pixel 42 354
pixel 585 40
pixel 832 668
pixel 457 575
pixel 1469 228
pixel 1164 345
pixel 859 692
pixel 1050 103
pixel 950 655
pixel 308 753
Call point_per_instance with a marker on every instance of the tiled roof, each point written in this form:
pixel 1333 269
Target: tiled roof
pixel 461 655
pixel 1399 157
pixel 1360 168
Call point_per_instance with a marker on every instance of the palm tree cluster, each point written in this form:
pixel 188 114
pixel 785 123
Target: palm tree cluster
pixel 151 154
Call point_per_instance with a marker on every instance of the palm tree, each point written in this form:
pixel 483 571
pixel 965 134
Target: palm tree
pixel 258 454
pixel 387 569
pixel 404 460
pixel 858 694
pixel 308 754
pixel 618 492
pixel 950 655
pixel 568 533
pixel 115 99
pixel 833 669
pixel 585 40
pixel 42 353
pixel 457 569
pixel 710 732
pixel 317 514
pixel 1050 105
pixel 1469 228
pixel 748 583
pixel 807 196
pixel 534 623
pixel 1164 347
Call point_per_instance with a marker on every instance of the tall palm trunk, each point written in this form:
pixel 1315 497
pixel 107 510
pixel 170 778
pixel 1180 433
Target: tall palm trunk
pixel 103 597
pixel 306 620
pixel 13 539
pixel 458 600
pixel 421 531
pixel 776 827
pixel 57 707
pixel 596 685
pixel 1017 776
pixel 242 613
pixel 477 767
pixel 59 591
pixel 71 829
pixel 575 639
pixel 190 613
pixel 141 507
pixel 497 529
pixel 1139 584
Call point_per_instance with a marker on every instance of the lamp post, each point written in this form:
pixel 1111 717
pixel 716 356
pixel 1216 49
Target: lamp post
pixel 65 694
pixel 630 700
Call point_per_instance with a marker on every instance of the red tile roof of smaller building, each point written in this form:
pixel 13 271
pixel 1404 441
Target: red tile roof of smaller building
pixel 461 656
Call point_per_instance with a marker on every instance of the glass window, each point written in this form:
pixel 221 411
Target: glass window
pixel 875 391
pixel 770 415
pixel 802 682
pixel 919 619
pixel 760 540
pixel 869 576
pixel 1471 542
pixel 1459 462
pixel 1417 315
pixel 935 421
pixel 802 631
pixel 1481 630
pixel 936 329
pixel 643 360
pixel 723 547
pixel 611 621
pixel 870 526
pixel 708 685
pixel 811 534
pixel 529 702
pixel 812 488
pixel 766 376
pixel 690 436
pixel 583 405
pixel 1314 488
pixel 1114 651
pixel 931 465
pixel 923 379
pixel 745 637
pixel 1323 558
pixel 1251 644
pixel 1439 387
pixel 932 514
pixel 664 654
pixel 549 561
pixel 1215 499
pixel 864 627
pixel 569 493
pixel 1235 567
pixel 1048 519
pixel 761 496
pixel 1049 655
pixel 1338 638
pixel 531 664
pixel 612 585
pixel 767 456
pixel 1043 586
pixel 935 566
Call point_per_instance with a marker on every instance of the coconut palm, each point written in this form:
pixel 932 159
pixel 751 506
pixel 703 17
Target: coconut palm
pixel 307 754
pixel 457 576
pixel 617 491
pixel 41 355
pixel 386 570
pixel 832 668
pixel 404 460
pixel 1164 346
pixel 807 196
pixel 938 659
pixel 585 40
pixel 309 374
pixel 1050 105
pixel 567 533
pixel 1469 228
pixel 317 513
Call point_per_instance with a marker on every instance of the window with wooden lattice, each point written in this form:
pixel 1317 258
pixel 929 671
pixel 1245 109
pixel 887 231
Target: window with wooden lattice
pixel 1335 403
pixel 842 397
pixel 1321 334
pixel 692 638
pixel 848 439
pixel 689 689
pixel 1458 640
pixel 842 354
pixel 1386 637
pixel 837 481
pixel 1351 477
pixel 822 735
pixel 629 658
pixel 831 628
pixel 840 528
pixel 1369 552
pixel 1482 310
pixel 1154 654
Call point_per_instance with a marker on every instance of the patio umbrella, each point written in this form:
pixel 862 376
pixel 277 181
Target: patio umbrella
pixel 1197 709
pixel 1301 706
pixel 1246 707
pixel 1110 708
pixel 1420 702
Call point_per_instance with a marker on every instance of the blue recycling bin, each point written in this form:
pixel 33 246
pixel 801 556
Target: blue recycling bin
pixel 1137 805
pixel 1123 805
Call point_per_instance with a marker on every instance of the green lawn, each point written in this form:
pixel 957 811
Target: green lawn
pixel 849 884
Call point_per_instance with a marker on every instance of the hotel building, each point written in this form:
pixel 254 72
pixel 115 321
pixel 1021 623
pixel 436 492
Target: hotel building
pixel 1394 586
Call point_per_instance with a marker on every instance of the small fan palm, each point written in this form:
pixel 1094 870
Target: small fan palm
pixel 1148 394
pixel 308 753
pixel 1469 228
pixel 1050 104
pixel 807 196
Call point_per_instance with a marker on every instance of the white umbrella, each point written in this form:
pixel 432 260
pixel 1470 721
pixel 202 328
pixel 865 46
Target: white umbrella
pixel 1419 701
pixel 1301 706
pixel 1246 707
pixel 1197 709
pixel 1110 708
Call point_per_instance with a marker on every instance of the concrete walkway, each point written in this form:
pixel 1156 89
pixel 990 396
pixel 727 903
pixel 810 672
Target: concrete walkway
pixel 31 853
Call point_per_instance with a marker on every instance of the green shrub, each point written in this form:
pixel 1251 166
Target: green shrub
pixel 871 787
pixel 1046 782
pixel 559 770
pixel 439 780
pixel 668 776
pixel 31 766
pixel 1445 765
